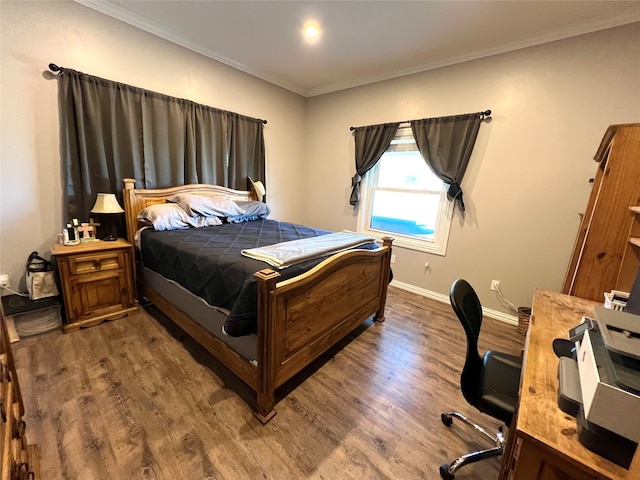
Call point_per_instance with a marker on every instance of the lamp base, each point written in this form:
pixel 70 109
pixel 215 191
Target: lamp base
pixel 109 238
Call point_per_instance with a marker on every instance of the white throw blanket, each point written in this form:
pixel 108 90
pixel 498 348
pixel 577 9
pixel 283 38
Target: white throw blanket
pixel 282 255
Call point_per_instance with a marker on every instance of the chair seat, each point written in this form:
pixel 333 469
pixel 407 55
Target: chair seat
pixel 499 385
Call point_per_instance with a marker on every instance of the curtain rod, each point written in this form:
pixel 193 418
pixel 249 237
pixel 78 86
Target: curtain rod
pixel 55 68
pixel 486 113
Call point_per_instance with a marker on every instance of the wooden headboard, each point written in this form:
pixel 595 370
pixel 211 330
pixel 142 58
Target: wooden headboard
pixel 136 199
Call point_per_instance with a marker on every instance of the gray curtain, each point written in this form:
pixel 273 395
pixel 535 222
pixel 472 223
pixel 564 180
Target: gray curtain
pixel 371 142
pixel 246 150
pixel 446 144
pixel 110 131
pixel 208 145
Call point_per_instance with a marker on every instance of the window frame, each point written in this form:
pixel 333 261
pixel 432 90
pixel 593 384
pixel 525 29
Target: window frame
pixel 437 246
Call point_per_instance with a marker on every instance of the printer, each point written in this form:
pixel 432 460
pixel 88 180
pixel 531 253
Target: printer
pixel 609 368
pixel 606 371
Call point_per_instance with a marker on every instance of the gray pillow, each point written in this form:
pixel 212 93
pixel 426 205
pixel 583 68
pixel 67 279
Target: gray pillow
pixel 170 216
pixel 165 216
pixel 195 205
pixel 252 211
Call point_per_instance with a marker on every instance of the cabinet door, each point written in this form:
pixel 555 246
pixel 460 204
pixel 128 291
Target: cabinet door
pixel 531 462
pixel 95 295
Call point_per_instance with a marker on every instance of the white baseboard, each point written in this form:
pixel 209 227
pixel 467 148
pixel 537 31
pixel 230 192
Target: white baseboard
pixel 503 317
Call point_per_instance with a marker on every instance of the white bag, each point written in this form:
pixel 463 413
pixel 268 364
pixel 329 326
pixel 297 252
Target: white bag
pixel 41 280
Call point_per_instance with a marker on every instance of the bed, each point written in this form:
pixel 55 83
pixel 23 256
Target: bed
pixel 297 318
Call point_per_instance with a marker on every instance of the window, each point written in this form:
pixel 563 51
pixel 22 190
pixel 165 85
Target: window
pixel 403 198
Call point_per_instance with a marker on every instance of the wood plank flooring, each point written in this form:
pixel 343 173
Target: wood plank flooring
pixel 136 398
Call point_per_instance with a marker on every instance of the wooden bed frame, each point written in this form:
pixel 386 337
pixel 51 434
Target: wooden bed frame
pixel 298 319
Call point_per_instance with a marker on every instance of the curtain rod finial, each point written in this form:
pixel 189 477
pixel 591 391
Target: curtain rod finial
pixel 486 113
pixel 55 68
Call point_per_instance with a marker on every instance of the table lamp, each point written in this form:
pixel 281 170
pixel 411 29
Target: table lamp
pixel 106 203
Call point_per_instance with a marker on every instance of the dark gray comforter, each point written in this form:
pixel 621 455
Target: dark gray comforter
pixel 207 262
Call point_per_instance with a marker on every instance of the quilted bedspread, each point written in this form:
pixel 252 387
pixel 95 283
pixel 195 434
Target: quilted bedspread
pixel 207 262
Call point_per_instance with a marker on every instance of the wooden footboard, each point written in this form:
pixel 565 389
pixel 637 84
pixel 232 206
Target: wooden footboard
pixel 298 319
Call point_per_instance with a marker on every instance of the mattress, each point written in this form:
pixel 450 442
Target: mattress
pixel 208 263
pixel 211 318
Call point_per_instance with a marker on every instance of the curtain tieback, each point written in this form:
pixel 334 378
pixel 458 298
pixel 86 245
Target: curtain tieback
pixel 455 193
pixel 355 189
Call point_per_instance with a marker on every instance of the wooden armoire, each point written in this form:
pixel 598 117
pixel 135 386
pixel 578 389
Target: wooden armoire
pixel 607 251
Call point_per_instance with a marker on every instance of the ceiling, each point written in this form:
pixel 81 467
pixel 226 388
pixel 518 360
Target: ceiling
pixel 363 41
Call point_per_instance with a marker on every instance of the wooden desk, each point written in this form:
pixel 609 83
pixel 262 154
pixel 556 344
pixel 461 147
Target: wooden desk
pixel 543 440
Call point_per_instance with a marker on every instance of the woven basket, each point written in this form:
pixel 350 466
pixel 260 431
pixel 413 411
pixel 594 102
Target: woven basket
pixel 524 315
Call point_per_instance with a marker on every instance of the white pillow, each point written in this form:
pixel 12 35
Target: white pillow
pixel 206 206
pixel 166 216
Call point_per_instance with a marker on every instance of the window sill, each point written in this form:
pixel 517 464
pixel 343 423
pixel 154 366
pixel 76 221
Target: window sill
pixel 403 241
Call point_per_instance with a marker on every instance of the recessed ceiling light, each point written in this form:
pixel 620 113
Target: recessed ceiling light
pixel 311 31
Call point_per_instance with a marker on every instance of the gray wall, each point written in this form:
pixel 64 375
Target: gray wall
pixel 527 180
pixel 526 183
pixel 34 34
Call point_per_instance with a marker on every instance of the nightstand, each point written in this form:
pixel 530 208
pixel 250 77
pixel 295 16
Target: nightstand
pixel 97 282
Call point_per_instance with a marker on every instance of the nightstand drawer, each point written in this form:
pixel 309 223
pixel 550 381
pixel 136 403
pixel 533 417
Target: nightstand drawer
pixel 96 262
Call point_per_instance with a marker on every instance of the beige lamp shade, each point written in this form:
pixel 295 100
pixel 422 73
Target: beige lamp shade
pixel 106 203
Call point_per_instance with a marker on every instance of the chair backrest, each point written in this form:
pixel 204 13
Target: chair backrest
pixel 467 307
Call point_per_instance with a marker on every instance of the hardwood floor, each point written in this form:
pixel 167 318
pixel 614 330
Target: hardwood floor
pixel 138 399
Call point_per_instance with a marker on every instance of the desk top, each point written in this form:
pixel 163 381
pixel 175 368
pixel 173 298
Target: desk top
pixel 538 415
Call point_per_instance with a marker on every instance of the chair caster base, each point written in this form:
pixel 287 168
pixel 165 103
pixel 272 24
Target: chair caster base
pixel 444 472
pixel 447 471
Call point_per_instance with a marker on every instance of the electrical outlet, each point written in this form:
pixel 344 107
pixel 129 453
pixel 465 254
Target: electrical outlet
pixel 495 285
pixel 393 258
pixel 4 280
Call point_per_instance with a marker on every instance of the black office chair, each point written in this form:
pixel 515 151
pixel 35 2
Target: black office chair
pixel 489 383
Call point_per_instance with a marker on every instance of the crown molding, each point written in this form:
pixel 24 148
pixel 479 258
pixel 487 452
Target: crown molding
pixel 135 20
